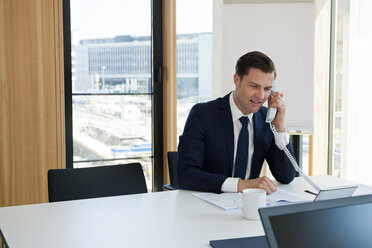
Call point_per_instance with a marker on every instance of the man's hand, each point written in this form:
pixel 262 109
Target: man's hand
pixel 258 183
pixel 277 102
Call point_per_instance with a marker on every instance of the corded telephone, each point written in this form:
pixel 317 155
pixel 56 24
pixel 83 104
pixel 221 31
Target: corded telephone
pixel 271 113
pixel 322 194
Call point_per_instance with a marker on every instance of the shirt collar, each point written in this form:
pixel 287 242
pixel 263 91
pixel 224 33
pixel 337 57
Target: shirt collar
pixel 235 111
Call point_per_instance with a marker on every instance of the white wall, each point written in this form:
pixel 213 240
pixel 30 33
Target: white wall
pixel 283 31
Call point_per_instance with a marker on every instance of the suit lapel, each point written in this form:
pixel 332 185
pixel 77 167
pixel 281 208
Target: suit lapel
pixel 226 120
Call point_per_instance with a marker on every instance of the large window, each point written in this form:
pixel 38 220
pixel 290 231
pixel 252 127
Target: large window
pixel 352 60
pixel 112 86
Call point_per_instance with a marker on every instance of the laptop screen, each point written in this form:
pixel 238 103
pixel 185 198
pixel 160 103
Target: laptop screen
pixel 338 223
pixel 348 226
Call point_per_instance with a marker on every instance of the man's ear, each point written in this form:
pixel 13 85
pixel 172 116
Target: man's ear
pixel 236 80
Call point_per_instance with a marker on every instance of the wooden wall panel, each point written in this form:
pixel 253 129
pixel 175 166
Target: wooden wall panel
pixel 32 109
pixel 169 81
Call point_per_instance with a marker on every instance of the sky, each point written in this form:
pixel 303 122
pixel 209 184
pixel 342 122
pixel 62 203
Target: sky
pixel 108 18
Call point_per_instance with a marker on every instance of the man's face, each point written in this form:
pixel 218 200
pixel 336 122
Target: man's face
pixel 252 90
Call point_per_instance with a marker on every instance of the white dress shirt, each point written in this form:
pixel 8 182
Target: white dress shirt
pixel 231 183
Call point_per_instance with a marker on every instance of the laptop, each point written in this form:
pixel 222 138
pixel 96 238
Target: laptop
pixel 3 243
pixel 342 223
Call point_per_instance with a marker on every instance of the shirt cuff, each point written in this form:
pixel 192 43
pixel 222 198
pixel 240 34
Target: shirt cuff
pixel 230 185
pixel 282 140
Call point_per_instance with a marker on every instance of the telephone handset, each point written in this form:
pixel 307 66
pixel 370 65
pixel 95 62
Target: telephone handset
pixel 271 112
pixel 270 116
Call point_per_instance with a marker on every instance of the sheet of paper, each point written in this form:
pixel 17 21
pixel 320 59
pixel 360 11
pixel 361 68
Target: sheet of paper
pixel 226 201
pixel 283 196
pixel 230 201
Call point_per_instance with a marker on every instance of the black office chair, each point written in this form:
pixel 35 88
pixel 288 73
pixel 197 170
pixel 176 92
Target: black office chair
pixel 83 183
pixel 172 166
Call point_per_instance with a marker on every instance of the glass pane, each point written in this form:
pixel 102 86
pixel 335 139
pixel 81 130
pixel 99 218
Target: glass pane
pixel 108 127
pixel 112 65
pixel 353 60
pixel 194 56
pixel 337 145
pixel 111 54
pixel 340 46
pixel 111 46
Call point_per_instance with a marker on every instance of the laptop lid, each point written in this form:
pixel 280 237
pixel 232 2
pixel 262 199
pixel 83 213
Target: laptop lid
pixel 343 222
pixel 246 242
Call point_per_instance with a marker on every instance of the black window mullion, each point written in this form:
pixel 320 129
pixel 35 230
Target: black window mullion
pixel 68 83
pixel 157 100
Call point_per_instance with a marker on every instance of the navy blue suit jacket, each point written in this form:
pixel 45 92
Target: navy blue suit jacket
pixel 206 147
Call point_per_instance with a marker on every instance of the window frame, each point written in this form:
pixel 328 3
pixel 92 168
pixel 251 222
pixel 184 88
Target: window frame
pixel 157 90
pixel 331 105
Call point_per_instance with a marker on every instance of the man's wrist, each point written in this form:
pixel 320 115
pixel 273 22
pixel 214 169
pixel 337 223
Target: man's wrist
pixel 242 184
pixel 281 129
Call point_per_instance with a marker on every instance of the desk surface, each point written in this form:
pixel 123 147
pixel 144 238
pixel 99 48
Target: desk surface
pixel 163 219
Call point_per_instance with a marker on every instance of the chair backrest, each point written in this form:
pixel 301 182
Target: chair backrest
pixel 83 183
pixel 172 165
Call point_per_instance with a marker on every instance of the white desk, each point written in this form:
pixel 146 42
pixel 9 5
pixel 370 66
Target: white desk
pixel 163 219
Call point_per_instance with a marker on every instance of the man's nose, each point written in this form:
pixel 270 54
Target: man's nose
pixel 260 93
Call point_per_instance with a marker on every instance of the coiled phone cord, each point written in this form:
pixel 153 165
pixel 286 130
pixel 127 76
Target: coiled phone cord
pixel 294 163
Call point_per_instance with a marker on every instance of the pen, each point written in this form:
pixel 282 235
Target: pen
pixel 308 191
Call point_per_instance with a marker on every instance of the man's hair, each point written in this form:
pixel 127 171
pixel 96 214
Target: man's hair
pixel 256 60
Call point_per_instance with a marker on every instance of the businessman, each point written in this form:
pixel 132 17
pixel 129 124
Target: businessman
pixel 225 141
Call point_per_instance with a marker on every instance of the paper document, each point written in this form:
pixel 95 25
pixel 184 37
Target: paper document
pixel 281 196
pixel 226 201
pixel 230 201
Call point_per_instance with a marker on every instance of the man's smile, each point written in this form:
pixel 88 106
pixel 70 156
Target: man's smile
pixel 256 103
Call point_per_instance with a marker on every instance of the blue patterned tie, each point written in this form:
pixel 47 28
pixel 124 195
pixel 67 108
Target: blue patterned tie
pixel 242 150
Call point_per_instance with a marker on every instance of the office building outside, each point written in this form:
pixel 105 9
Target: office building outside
pixel 123 64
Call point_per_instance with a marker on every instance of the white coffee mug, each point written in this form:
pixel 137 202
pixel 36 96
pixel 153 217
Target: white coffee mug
pixel 253 199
